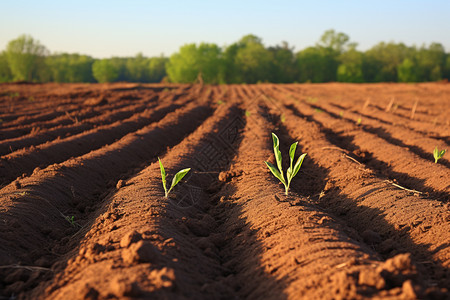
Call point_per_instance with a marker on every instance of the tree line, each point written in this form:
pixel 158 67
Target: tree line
pixel 333 58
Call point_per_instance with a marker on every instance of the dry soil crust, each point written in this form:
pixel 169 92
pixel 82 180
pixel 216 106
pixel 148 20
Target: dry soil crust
pixel 83 214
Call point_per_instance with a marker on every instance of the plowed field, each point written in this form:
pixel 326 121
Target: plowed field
pixel 83 213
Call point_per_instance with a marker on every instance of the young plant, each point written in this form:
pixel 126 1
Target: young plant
pixel 438 154
pixel 293 168
pixel 175 179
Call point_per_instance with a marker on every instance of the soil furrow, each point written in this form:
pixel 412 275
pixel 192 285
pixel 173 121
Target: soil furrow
pixel 302 246
pixel 364 201
pixel 26 160
pixel 378 100
pixel 436 130
pixel 417 143
pixel 177 229
pixel 81 114
pixel 392 161
pixel 366 218
pixel 47 135
pixel 73 189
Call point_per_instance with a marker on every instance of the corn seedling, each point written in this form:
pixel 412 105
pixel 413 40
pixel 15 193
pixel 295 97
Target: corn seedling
pixel 175 179
pixel 438 154
pixel 71 220
pixel 292 170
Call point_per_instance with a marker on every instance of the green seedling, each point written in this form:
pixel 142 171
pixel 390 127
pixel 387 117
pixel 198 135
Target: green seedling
pixel 341 114
pixel 175 179
pixel 311 100
pixel 318 110
pixel 71 220
pixel 438 154
pixel 283 118
pixel 358 122
pixel 278 170
pixel 220 102
pixel 247 113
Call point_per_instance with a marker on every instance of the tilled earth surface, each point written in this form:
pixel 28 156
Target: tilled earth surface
pixel 83 213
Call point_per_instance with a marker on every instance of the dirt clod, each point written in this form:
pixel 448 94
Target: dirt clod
pixel 129 238
pixel 141 251
pixel 123 288
pixel 120 184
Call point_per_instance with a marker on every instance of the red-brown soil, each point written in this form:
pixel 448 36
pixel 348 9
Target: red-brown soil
pixel 83 213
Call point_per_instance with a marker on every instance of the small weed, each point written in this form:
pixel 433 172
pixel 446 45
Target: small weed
pixel 282 118
pixel 358 122
pixel 71 220
pixel 220 102
pixel 318 110
pixel 175 179
pixel 14 95
pixel 438 154
pixel 31 99
pixel 292 170
pixel 247 113
pixel 341 114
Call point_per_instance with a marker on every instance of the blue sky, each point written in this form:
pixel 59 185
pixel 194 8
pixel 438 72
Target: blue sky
pixel 124 28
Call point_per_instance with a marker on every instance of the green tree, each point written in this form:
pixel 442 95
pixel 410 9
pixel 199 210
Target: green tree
pixel 253 63
pixel 248 61
pixel 334 41
pixel 407 71
pixel 350 68
pixel 381 61
pixel 190 61
pixel 67 67
pixel 137 68
pixel 446 68
pixel 430 62
pixel 316 64
pixel 157 68
pixel 106 70
pixel 5 72
pixel 25 58
pixel 283 68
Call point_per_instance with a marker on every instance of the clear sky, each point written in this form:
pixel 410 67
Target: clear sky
pixel 124 28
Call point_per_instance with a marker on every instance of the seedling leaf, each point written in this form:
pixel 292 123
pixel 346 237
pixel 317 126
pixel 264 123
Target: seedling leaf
pixel 438 154
pixel 179 176
pixel 163 176
pixel 298 164
pixel 291 156
pixel 292 170
pixel 277 152
pixel 275 172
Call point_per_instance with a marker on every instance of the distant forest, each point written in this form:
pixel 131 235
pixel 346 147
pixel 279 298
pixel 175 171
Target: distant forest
pixel 333 58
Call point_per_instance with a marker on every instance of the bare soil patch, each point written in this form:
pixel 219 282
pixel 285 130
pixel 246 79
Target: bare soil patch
pixel 83 213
